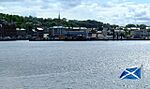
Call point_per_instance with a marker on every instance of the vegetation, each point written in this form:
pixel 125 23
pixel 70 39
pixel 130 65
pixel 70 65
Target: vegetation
pixel 33 22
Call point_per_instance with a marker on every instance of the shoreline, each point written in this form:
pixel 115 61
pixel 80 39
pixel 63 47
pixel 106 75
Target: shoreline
pixel 80 40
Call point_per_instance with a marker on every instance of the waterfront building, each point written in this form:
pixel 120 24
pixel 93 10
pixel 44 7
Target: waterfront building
pixel 137 34
pixel 8 31
pixel 57 32
pixel 99 35
pixel 141 33
pixel 21 33
pixel 76 35
pixel 105 33
pixel 38 33
pixel 0 31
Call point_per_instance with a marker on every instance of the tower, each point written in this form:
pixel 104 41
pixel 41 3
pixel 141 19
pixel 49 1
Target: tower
pixel 59 16
pixel 59 20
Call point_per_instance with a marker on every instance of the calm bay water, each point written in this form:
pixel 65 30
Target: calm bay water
pixel 72 65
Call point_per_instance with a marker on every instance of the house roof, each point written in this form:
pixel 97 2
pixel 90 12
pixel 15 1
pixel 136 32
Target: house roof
pixel 147 27
pixel 58 27
pixel 76 28
pixel 135 28
pixel 99 31
pixel 40 29
pixel 22 29
pixel 119 31
pixel 83 28
pixel 33 30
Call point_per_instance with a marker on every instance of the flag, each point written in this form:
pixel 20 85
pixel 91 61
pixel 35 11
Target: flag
pixel 131 73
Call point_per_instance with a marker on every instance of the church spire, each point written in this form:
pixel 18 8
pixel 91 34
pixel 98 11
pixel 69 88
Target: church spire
pixel 59 19
pixel 59 16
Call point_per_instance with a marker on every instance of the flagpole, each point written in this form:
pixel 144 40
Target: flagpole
pixel 142 77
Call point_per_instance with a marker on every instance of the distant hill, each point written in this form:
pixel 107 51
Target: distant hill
pixel 33 22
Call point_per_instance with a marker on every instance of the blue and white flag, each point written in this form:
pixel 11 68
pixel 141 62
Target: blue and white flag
pixel 131 73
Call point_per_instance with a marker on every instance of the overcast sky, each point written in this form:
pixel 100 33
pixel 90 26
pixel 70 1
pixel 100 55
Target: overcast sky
pixel 109 11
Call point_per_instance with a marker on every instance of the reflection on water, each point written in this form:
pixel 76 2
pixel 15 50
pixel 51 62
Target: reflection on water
pixel 72 65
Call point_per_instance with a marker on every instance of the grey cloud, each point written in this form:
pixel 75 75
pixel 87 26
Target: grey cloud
pixel 65 4
pixel 144 18
pixel 70 3
pixel 45 7
pixel 10 0
pixel 141 14
pixel 131 9
pixel 107 6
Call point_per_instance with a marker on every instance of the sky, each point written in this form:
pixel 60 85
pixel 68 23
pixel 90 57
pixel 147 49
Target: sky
pixel 119 12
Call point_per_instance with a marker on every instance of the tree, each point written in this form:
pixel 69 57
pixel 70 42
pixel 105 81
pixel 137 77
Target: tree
pixel 130 25
pixel 142 26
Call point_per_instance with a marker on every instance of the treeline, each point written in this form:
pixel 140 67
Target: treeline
pixel 33 22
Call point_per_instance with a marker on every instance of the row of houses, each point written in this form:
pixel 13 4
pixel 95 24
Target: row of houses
pixel 60 33
pixel 56 33
pixel 74 33
pixel 140 33
pixel 133 33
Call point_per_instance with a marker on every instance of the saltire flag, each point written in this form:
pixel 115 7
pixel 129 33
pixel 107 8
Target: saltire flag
pixel 131 73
